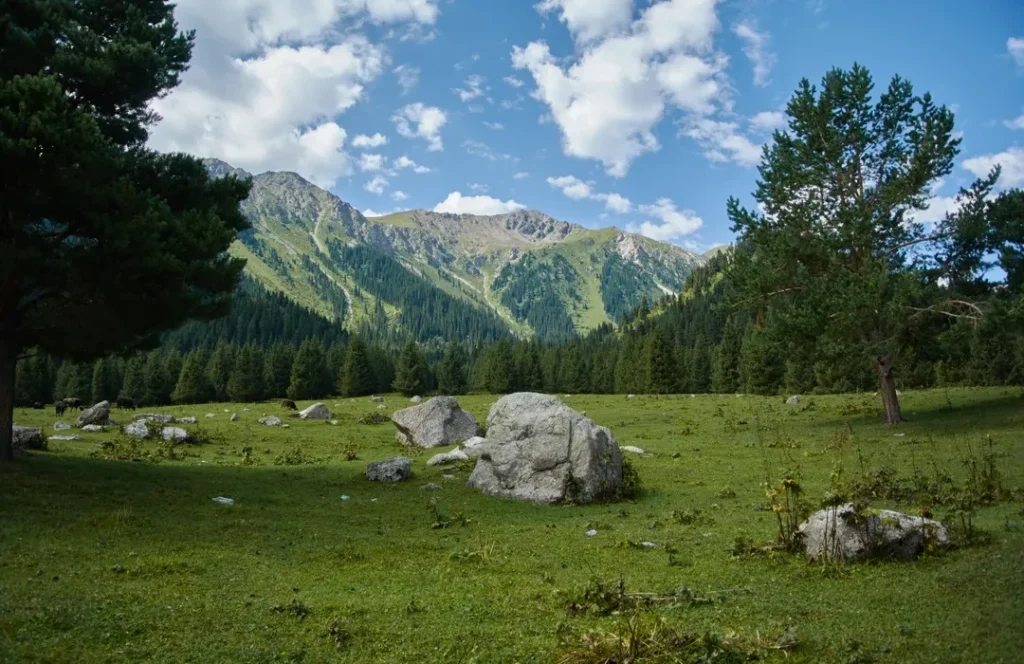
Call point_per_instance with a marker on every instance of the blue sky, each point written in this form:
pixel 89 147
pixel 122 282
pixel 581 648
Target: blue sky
pixel 642 115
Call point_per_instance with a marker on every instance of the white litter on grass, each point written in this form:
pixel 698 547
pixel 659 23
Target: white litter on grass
pixel 590 533
pixel 223 501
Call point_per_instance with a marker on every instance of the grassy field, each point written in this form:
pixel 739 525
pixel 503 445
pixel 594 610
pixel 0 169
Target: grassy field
pixel 118 561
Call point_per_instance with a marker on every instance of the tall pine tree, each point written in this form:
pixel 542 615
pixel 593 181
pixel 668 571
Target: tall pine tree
pixel 410 370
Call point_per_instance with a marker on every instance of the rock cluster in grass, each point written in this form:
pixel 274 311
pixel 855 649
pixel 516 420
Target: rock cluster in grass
pixel 843 534
pixel 155 418
pixel 539 449
pixel 395 469
pixel 437 423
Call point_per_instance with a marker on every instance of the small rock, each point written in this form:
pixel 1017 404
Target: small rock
pixel 448 477
pixel 334 422
pixel 395 469
pixel 590 533
pixel 246 410
pixel 838 533
pixel 92 428
pixel 631 449
pixel 380 407
pixel 221 500
pixel 899 435
pixel 439 422
pixel 648 545
pixel 61 426
pixel 377 399
pixel 270 421
pixel 416 399
pixel 65 438
pixel 631 396
pixel 234 417
pixel 158 418
pixel 792 401
pixel 431 487
pixel 174 434
pixel 186 420
pixel 285 426
pixel 210 415
pixel 448 457
pixel 137 429
pixel 226 410
pixel 117 569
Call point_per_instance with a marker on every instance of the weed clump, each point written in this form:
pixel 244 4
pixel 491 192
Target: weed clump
pixel 374 419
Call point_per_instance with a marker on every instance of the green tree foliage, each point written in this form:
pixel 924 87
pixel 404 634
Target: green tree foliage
pixel 500 368
pixel 134 386
pixel 451 375
pixel 277 370
pixel 158 380
pixel 106 379
pixel 97 229
pixel 725 359
pixel 74 381
pixel 662 369
pixel 310 377
pixel 357 376
pixel 193 385
pixel 410 371
pixel 222 362
pixel 698 366
pixel 528 368
pixel 832 245
pixel 760 366
pixel 246 381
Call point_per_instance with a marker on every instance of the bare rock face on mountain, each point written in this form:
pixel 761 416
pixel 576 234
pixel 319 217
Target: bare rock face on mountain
pixel 842 534
pixel 439 422
pixel 540 450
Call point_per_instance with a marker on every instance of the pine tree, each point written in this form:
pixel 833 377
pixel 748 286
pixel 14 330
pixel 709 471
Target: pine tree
pixel 575 370
pixel 760 365
pixel 662 370
pixel 725 359
pixel 409 371
pixel 531 375
pixel 246 381
pixel 74 381
pixel 134 386
pixel 101 382
pixel 277 370
pixel 157 380
pixel 699 366
pixel 219 371
pixel 193 384
pixel 309 372
pixel 451 375
pixel 356 379
pixel 500 368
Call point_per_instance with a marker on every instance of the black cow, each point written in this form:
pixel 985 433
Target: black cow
pixel 124 403
pixel 60 407
pixel 38 405
pixel 73 403
pixel 289 404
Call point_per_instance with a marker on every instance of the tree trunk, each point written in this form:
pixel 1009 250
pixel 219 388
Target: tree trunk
pixel 887 389
pixel 8 361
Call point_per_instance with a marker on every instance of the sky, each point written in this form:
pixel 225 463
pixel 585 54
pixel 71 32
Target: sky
pixel 646 115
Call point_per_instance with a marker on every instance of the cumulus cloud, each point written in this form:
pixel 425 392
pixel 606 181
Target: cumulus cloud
pixel 456 203
pixel 1011 160
pixel 1015 47
pixel 399 195
pixel 672 225
pixel 522 175
pixel 372 213
pixel 479 188
pixel 405 162
pixel 1016 123
pixel 588 20
pixel 514 82
pixel 269 81
pixel 408 77
pixel 377 185
pixel 473 88
pixel 478 149
pixel 579 190
pixel 371 162
pixel 755 47
pixel 421 121
pixel 363 142
pixel 722 141
pixel 768 121
pixel 608 100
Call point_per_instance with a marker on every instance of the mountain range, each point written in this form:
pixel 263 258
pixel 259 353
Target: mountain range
pixel 437 274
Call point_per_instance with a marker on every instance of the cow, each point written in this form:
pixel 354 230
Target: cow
pixel 73 403
pixel 38 405
pixel 124 403
pixel 289 404
pixel 60 407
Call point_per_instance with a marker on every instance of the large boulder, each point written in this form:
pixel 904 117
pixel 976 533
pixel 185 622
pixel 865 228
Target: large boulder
pixel 175 435
pixel 28 438
pixel 539 449
pixel 844 535
pixel 137 429
pixel 317 411
pixel 98 414
pixel 439 422
pixel 395 469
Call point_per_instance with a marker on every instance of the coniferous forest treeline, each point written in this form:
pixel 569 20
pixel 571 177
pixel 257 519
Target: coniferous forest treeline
pixel 270 347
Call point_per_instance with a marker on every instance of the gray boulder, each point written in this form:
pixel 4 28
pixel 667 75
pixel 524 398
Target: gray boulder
pixel 474 447
pixel 793 400
pixel 156 418
pixel 839 533
pixel 271 421
pixel 448 457
pixel 92 428
pixel 28 438
pixel 137 429
pixel 185 420
pixel 175 434
pixel 317 411
pixel 437 423
pixel 539 449
pixel 61 426
pixel 98 414
pixel 416 399
pixel 395 469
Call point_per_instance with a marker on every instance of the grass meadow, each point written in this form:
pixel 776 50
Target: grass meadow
pixel 108 560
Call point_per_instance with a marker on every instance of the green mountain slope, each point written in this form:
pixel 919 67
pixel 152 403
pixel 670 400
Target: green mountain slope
pixel 443 275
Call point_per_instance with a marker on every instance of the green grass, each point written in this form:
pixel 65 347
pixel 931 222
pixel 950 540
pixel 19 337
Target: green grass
pixel 202 581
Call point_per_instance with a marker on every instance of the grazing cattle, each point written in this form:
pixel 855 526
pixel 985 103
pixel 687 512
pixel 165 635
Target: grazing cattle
pixel 73 403
pixel 60 407
pixel 289 404
pixel 124 403
pixel 38 405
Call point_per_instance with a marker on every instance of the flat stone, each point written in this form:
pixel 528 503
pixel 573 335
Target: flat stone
pixel 395 469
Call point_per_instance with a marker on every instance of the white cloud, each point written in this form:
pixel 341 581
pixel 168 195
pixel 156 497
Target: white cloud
pixel 722 141
pixel 372 213
pixel 674 224
pixel 456 203
pixel 371 162
pixel 591 19
pixel 420 121
pixel 1011 160
pixel 478 149
pixel 522 175
pixel 514 82
pixel 474 88
pixel 405 162
pixel 579 190
pixel 768 121
pixel 362 141
pixel 479 188
pixel 608 101
pixel 1015 46
pixel 399 195
pixel 1016 123
pixel 494 125
pixel 755 47
pixel 408 77
pixel 377 185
